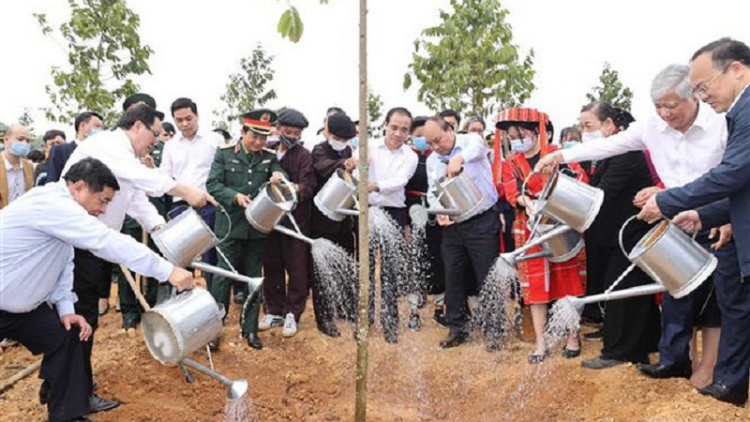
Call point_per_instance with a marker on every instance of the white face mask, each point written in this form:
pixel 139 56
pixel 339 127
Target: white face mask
pixel 591 136
pixel 337 145
pixel 521 145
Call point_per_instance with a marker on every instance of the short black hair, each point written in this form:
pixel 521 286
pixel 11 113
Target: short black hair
pixel 140 113
pixel 724 52
pixel 181 103
pixel 223 133
pixel 417 122
pixel 168 127
pixel 94 173
pixel 604 110
pixel 52 134
pixel 397 110
pixel 451 113
pixel 35 156
pixel 84 118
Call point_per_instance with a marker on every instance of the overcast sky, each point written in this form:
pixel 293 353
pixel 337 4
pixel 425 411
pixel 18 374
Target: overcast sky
pixel 198 44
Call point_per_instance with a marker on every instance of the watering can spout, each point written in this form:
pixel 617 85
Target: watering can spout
pixel 292 233
pixel 576 303
pixel 237 390
pixel 510 258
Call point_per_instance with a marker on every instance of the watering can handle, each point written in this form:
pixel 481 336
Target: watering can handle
pixel 289 185
pixel 578 176
pixel 170 213
pixel 622 229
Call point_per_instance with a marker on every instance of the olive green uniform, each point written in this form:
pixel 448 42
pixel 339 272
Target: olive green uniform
pixel 233 171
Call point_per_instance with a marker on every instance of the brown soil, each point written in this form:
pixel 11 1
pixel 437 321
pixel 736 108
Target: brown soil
pixel 311 378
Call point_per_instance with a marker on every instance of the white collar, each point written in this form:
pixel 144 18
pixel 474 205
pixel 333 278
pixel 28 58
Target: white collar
pixel 9 166
pixel 702 120
pixel 738 97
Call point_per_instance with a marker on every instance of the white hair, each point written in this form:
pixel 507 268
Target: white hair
pixel 675 78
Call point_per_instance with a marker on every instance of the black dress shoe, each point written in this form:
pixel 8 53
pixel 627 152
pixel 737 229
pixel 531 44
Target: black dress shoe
pixel 98 404
pixel 254 341
pixel 454 340
pixel 724 393
pixel 661 371
pixel 129 324
pixel 214 344
pixel 439 316
pixel 570 353
pixel 329 328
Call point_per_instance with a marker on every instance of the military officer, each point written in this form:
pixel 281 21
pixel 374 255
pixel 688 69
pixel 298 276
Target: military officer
pixel 237 174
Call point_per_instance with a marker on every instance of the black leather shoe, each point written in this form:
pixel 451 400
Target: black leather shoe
pixel 439 316
pixel 329 328
pixel 661 371
pixel 601 363
pixel 254 341
pixel 129 324
pixel 724 393
pixel 44 392
pixel 98 404
pixel 415 323
pixel 570 353
pixel 454 340
pixel 214 344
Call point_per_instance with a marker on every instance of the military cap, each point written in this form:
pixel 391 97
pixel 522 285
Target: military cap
pixel 293 118
pixel 342 126
pixel 138 98
pixel 259 121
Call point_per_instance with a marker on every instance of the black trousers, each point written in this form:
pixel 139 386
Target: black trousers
pixel 63 366
pixel 323 309
pixel 471 245
pixel 89 274
pixel 598 259
pixel 285 255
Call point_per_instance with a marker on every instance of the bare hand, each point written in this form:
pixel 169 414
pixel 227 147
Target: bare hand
pixel 444 220
pixel 181 278
pixel 725 235
pixel 549 163
pixel 69 320
pixel 688 221
pixel 650 212
pixel 644 195
pixel 454 166
pixel 277 177
pixel 242 200
pixel 350 163
pixel 148 161
pixel 198 198
pixel 372 187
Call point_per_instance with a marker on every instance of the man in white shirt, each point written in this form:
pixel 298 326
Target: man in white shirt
pixel 391 166
pixel 120 150
pixel 187 159
pixel 40 230
pixel 685 141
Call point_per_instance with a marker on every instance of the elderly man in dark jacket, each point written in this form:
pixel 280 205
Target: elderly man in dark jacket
pixel 284 254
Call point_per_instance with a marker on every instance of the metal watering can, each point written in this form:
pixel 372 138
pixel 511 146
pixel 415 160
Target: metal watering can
pixel 677 264
pixel 557 235
pixel 458 196
pixel 185 238
pixel 273 202
pixel 337 198
pixel 569 200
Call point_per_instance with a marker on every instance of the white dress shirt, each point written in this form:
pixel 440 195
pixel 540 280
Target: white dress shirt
pixel 113 148
pixel 16 180
pixel 391 170
pixel 476 166
pixel 189 161
pixel 679 158
pixel 37 235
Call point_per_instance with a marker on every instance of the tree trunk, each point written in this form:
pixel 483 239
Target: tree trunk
pixel 360 406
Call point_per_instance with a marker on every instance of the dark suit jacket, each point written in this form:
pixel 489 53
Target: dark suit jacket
pixel 298 165
pixel 620 178
pixel 729 183
pixel 58 157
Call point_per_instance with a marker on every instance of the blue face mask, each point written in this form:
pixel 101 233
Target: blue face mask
pixel 569 144
pixel 354 142
pixel 93 131
pixel 420 143
pixel 20 149
pixel 521 145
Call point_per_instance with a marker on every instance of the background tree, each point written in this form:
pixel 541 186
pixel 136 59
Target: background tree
pixel 375 112
pixel 611 89
pixel 469 63
pixel 247 90
pixel 104 53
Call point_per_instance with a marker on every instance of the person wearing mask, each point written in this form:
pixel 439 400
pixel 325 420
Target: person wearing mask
pixel 16 172
pixel 121 150
pixel 392 164
pixel 686 140
pixel 328 157
pixel 86 124
pixel 472 244
pixel 285 298
pixel 37 307
pixel 52 138
pixel 187 158
pixel 237 174
pixel 416 193
pixel 541 281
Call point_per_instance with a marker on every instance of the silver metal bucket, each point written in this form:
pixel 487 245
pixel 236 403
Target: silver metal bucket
pixel 184 238
pixel 459 196
pixel 671 258
pixel 336 198
pixel 562 247
pixel 270 206
pixel 570 201
pixel 182 325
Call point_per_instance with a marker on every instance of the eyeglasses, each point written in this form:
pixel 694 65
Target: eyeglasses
pixel 701 91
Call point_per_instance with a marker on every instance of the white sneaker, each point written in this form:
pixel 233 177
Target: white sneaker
pixel 290 326
pixel 6 342
pixel 270 321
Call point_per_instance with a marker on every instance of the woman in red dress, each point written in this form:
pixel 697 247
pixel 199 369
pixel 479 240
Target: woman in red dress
pixel 542 281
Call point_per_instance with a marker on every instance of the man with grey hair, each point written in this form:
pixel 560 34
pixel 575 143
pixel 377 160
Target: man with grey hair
pixel 685 141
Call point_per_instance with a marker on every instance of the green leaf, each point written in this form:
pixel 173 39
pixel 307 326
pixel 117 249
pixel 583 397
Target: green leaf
pixel 290 25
